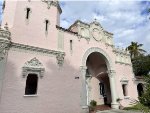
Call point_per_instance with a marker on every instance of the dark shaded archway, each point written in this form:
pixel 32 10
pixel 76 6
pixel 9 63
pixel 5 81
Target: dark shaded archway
pixel 140 89
pixel 99 82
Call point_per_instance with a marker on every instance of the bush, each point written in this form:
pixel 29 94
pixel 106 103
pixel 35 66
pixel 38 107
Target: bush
pixel 145 98
pixel 93 104
pixel 138 107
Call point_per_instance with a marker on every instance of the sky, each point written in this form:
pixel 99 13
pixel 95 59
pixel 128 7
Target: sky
pixel 128 20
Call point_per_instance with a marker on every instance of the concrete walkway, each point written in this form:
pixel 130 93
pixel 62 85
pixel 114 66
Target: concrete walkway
pixel 118 111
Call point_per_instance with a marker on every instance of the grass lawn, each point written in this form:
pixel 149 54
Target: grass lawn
pixel 138 107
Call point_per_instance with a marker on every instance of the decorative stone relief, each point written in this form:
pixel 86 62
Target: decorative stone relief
pixel 34 65
pixel 122 56
pixel 48 3
pixel 96 34
pixel 52 2
pixel 60 59
pixel 5 41
pixel 111 73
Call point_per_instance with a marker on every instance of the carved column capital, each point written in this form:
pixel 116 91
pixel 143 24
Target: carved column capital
pixel 111 73
pixel 83 67
pixel 60 59
pixel 5 41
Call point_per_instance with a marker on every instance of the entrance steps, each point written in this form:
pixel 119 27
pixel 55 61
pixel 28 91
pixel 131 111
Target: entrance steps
pixel 103 107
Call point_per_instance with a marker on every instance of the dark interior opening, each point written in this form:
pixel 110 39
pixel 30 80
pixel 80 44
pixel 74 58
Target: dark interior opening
pixel 31 84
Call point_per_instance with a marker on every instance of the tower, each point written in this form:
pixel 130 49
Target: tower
pixel 30 25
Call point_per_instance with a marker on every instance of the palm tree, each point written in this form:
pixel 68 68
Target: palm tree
pixel 135 49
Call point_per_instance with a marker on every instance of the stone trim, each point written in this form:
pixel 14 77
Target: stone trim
pixel 54 3
pixel 5 41
pixel 121 51
pixel 58 54
pixel 108 60
pixel 33 66
pixel 124 80
pixel 123 63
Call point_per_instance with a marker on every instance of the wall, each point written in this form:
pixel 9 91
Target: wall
pixel 58 91
pixel 31 31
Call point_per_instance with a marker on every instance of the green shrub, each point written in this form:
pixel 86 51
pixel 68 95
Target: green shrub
pixel 93 104
pixel 139 107
pixel 145 98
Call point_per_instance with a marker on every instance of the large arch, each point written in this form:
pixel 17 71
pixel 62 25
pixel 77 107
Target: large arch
pixel 110 71
pixel 108 60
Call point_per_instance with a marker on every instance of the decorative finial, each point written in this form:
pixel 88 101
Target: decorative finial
pixel 6 26
pixel 96 22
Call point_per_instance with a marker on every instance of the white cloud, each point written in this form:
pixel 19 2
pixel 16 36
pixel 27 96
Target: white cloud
pixel 123 18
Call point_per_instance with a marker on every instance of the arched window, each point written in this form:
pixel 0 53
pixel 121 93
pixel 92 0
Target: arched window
pixel 102 90
pixel 31 84
pixel 27 13
pixel 46 26
pixel 140 89
pixel 124 88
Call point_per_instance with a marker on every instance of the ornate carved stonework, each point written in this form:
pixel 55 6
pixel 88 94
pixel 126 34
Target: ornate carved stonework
pixel 34 65
pixel 96 34
pixel 60 59
pixel 122 56
pixel 52 2
pixel 124 80
pixel 5 41
pixel 111 73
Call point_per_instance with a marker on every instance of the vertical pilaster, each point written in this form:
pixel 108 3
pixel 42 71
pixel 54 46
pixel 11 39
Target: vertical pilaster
pixel 114 103
pixel 84 90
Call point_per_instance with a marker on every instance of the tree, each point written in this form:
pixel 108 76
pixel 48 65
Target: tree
pixel 141 65
pixel 145 98
pixel 135 49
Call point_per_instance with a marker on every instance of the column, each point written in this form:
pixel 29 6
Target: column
pixel 114 103
pixel 84 90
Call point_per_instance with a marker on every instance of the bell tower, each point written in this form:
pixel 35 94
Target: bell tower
pixel 32 22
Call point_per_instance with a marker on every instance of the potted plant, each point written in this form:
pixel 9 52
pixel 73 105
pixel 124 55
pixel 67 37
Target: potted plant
pixel 92 106
pixel 119 100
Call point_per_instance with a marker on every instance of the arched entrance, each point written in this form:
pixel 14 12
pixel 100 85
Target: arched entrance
pixel 98 82
pixel 98 70
pixel 140 89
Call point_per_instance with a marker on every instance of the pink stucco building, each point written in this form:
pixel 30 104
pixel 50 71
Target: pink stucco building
pixel 45 68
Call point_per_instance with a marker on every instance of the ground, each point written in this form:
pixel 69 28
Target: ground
pixel 118 111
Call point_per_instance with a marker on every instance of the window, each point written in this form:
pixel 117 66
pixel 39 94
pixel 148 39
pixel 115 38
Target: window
pixel 124 88
pixel 46 26
pixel 31 84
pixel 140 89
pixel 102 90
pixel 28 12
pixel 71 45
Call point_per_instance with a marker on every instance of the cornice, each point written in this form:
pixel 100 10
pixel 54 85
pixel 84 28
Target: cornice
pixel 122 63
pixel 66 30
pixel 58 54
pixel 37 49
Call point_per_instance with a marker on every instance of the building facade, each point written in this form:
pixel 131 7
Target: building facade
pixel 45 68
